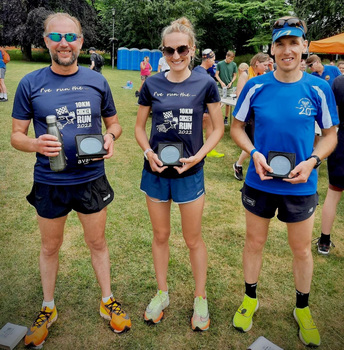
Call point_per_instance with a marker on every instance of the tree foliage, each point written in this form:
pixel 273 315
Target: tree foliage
pixel 240 25
pixel 23 20
pixel 323 19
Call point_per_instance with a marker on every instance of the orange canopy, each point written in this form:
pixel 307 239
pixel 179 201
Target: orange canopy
pixel 333 44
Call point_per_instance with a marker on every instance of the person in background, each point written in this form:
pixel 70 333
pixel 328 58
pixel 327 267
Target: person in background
pixel 162 65
pixel 94 60
pixel 145 71
pixel 326 72
pixel 305 99
pixel 177 100
pixel 335 166
pixel 258 65
pixel 81 186
pixel 208 60
pixel 340 65
pixel 3 89
pixel 226 73
pixel 303 66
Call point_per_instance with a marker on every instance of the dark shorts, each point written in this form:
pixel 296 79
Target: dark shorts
pixel 290 208
pixel 180 190
pixel 54 201
pixel 335 163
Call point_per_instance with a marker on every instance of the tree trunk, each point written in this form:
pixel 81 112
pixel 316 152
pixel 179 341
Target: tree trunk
pixel 26 50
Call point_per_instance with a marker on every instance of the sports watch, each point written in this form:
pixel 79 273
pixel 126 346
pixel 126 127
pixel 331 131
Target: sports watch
pixel 317 159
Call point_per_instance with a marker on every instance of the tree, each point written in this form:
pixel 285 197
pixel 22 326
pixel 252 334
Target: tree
pixel 323 19
pixel 252 19
pixel 23 21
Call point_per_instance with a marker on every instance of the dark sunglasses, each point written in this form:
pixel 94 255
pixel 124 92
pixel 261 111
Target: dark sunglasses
pixel 292 22
pixel 310 65
pixel 70 37
pixel 182 50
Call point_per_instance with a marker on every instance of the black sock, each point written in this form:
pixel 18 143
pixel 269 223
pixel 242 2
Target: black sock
pixel 301 299
pixel 325 238
pixel 251 290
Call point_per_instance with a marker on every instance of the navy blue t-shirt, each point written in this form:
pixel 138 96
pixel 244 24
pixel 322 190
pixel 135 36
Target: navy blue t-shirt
pixel 178 114
pixel 78 101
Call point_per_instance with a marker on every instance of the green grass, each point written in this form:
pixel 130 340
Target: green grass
pixel 129 237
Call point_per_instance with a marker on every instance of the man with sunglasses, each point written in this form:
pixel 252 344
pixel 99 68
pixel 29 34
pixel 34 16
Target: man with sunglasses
pixel 284 123
pixel 81 99
pixel 326 72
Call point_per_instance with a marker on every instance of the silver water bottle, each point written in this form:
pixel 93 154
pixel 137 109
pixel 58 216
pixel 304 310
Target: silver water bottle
pixel 57 163
pixel 224 92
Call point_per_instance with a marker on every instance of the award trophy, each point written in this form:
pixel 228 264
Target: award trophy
pixel 170 153
pixel 282 163
pixel 90 146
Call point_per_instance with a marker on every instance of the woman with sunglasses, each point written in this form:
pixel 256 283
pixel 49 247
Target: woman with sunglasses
pixel 178 99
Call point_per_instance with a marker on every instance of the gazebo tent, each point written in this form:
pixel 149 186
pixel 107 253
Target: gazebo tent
pixel 332 45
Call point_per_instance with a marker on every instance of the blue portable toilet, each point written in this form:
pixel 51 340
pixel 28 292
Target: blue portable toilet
pixel 134 59
pixel 123 60
pixel 155 57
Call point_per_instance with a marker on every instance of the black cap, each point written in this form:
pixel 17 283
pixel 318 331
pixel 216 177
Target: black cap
pixel 92 49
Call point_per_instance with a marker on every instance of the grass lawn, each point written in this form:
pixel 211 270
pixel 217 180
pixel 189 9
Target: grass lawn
pixel 129 236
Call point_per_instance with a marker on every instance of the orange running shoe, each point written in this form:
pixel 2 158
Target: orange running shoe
pixel 112 311
pixel 38 332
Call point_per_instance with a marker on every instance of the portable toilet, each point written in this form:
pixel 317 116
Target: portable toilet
pixel 134 59
pixel 156 55
pixel 123 60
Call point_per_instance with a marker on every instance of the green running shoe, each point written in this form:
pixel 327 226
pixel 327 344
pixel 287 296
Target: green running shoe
pixel 242 319
pixel 308 333
pixel 200 320
pixel 154 311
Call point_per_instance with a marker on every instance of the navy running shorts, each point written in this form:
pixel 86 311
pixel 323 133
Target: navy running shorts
pixel 180 190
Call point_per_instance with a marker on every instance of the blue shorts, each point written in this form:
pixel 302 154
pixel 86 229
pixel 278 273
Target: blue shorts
pixel 180 190
pixel 290 208
pixel 54 201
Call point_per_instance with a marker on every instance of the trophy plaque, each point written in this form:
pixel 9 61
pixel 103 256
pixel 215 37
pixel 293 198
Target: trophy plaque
pixel 282 163
pixel 170 153
pixel 90 146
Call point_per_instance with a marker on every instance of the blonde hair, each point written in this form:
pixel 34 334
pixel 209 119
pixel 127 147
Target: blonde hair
pixel 243 66
pixel 60 15
pixel 259 57
pixel 180 25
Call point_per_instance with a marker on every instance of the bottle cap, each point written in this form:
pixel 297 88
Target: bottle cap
pixel 50 119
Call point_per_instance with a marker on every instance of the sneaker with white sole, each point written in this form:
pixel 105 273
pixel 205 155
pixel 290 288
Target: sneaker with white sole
pixel 309 334
pixel 243 317
pixel 155 310
pixel 200 320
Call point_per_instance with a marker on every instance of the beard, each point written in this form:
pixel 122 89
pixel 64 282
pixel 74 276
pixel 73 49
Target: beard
pixel 56 59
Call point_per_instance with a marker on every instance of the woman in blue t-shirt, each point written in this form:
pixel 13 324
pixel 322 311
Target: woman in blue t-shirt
pixel 177 99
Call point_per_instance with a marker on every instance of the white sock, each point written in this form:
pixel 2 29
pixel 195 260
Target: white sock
pixel 5 96
pixel 50 304
pixel 1 95
pixel 106 299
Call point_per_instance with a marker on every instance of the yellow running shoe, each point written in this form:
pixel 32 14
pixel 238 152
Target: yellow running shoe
pixel 200 320
pixel 155 310
pixel 308 333
pixel 38 332
pixel 215 154
pixel 243 317
pixel 112 311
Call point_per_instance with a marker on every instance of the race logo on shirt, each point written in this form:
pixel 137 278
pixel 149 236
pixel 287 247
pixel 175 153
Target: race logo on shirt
pixel 184 121
pixel 305 106
pixel 170 122
pixel 82 115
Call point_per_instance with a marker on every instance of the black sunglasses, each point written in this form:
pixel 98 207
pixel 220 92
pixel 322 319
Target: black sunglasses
pixel 310 65
pixel 57 37
pixel 182 50
pixel 292 22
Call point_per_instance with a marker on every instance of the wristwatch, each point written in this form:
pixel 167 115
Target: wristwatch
pixel 113 136
pixel 317 159
pixel 146 151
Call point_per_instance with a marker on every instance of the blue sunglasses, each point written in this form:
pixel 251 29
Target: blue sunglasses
pixel 70 37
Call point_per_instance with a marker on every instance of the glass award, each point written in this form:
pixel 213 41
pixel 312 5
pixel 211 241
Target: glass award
pixel 90 146
pixel 282 163
pixel 170 153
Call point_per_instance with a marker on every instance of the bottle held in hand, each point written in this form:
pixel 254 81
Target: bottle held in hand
pixel 57 163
